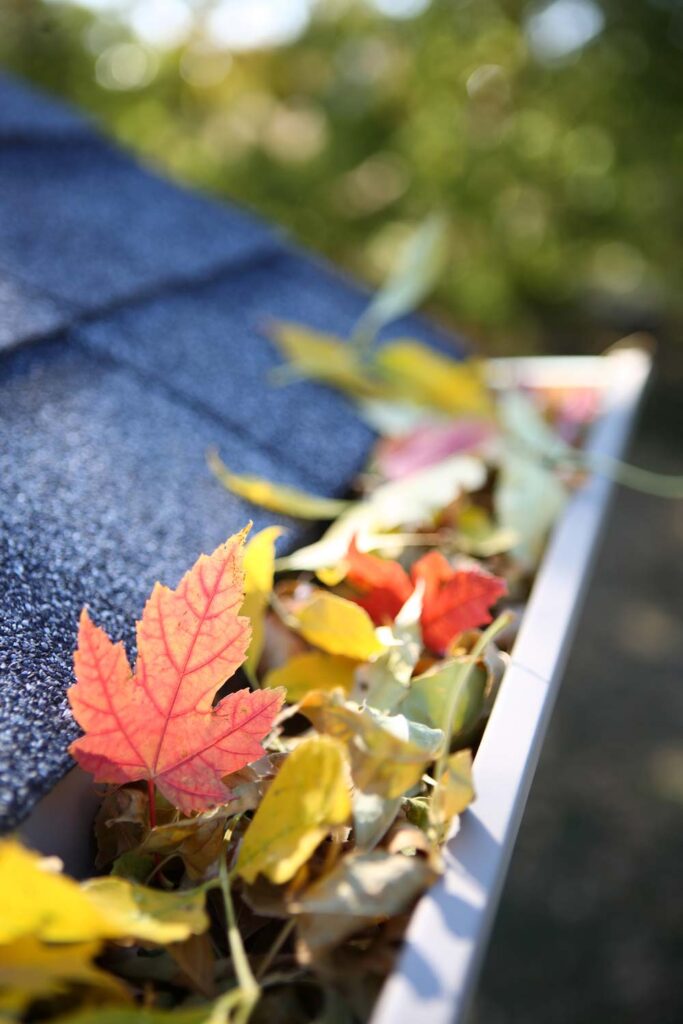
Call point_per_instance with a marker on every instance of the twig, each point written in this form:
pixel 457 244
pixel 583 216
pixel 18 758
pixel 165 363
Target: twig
pixel 275 948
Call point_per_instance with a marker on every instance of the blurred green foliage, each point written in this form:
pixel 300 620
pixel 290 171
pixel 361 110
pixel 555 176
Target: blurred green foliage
pixel 560 175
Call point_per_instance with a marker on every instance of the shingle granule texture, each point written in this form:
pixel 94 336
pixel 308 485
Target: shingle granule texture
pixel 131 340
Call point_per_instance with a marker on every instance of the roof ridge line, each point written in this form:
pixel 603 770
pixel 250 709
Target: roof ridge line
pixel 262 253
pixel 189 402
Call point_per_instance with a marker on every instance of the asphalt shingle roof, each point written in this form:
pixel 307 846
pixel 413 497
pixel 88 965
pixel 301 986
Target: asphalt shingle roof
pixel 129 343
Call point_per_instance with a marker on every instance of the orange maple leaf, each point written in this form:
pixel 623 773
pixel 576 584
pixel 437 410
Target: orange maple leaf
pixel 160 724
pixel 384 584
pixel 454 599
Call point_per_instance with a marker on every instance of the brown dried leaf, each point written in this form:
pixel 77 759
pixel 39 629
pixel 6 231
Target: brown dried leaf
pixel 120 824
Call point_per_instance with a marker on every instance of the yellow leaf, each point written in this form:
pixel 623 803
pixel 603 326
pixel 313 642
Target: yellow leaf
pixel 454 790
pixel 310 795
pixel 290 501
pixel 323 357
pixel 388 753
pixel 259 561
pixel 39 902
pixel 312 670
pixel 150 915
pixel 338 626
pixel 30 970
pixel 259 569
pixel 207 1013
pixel 426 377
pixel 51 928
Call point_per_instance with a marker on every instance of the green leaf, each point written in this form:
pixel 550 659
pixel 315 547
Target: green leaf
pixel 528 499
pixel 133 865
pixel 528 496
pixel 414 277
pixel 456 680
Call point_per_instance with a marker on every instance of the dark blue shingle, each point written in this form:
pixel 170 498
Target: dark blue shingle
pixel 26 113
pixel 25 314
pixel 85 225
pixel 104 490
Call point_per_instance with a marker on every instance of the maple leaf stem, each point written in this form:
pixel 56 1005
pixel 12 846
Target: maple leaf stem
pixel 152 804
pixel 248 984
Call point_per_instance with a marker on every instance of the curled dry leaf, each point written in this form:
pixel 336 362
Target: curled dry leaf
pixel 289 501
pixel 388 752
pixel 362 889
pixel 120 823
pixel 197 840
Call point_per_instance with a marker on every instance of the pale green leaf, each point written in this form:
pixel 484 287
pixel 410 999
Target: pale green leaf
pixel 372 816
pixel 415 499
pixel 430 695
pixel 416 273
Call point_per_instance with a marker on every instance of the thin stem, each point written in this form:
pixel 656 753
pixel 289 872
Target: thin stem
pixel 646 481
pixel 659 485
pixel 152 804
pixel 159 866
pixel 248 984
pixel 275 948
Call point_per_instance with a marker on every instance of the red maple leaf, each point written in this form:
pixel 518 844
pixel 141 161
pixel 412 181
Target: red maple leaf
pixel 160 724
pixel 454 599
pixel 385 586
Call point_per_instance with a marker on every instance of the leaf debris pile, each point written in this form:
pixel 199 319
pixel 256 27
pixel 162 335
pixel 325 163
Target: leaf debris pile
pixel 294 745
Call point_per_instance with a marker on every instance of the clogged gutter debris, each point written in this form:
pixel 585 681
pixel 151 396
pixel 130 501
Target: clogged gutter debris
pixel 283 764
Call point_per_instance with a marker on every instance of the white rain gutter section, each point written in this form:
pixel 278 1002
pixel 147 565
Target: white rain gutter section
pixel 448 934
